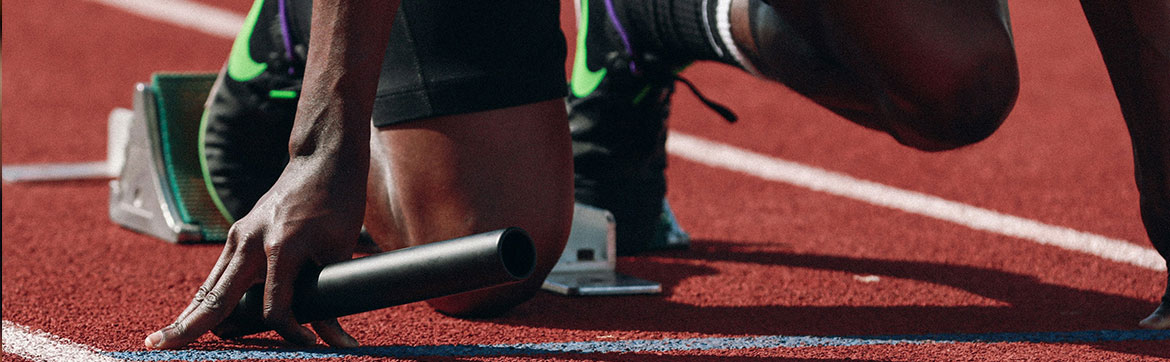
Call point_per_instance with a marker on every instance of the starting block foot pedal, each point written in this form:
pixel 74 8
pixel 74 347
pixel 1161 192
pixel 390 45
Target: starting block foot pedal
pixel 587 266
pixel 160 189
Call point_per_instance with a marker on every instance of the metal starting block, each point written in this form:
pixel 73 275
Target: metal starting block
pixel 588 264
pixel 160 190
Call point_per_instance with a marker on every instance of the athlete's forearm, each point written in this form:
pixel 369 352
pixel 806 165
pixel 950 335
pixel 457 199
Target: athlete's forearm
pixel 333 116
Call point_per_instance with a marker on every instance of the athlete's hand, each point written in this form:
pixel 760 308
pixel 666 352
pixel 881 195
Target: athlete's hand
pixel 311 215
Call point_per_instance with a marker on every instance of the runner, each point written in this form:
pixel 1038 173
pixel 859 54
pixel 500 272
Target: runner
pixel 469 136
pixel 933 75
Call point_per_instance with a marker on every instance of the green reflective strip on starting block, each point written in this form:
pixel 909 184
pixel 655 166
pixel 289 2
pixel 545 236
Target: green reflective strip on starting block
pixel 282 94
pixel 180 100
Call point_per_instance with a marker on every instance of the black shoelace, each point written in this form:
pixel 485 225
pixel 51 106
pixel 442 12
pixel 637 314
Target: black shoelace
pixel 723 111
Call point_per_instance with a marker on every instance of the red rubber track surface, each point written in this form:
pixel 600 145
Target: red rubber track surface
pixel 768 258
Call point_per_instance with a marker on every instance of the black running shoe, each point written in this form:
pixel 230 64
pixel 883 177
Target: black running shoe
pixel 619 102
pixel 245 130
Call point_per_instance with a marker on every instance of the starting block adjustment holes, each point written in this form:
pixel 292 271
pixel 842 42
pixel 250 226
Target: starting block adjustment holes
pixel 585 255
pixel 136 196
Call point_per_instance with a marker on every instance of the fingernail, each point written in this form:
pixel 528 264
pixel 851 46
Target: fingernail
pixel 308 338
pixel 351 342
pixel 346 341
pixel 154 339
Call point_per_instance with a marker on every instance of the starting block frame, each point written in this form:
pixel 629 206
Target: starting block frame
pixel 138 198
pixel 159 189
pixel 588 264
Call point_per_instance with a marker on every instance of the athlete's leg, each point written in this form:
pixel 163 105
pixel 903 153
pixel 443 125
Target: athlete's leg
pixel 472 134
pixel 934 75
pixel 457 175
pixel 1134 38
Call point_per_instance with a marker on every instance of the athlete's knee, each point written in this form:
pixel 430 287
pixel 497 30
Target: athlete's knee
pixel 932 92
pixel 549 240
pixel 957 103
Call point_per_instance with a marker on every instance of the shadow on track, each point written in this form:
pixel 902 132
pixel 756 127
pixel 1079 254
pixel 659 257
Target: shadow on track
pixel 1027 304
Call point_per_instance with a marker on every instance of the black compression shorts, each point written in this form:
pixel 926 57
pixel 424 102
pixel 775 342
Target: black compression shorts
pixel 444 57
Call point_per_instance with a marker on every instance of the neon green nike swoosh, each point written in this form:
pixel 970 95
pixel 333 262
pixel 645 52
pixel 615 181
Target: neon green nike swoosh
pixel 241 67
pixel 585 81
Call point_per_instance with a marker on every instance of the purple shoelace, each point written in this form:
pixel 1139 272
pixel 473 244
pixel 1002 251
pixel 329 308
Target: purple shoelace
pixel 285 33
pixel 621 32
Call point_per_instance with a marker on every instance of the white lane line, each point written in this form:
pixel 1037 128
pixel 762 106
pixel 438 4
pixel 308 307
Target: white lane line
pixel 118 136
pixel 719 155
pixel 731 158
pixel 57 171
pixel 191 15
pixel 44 347
pixel 537 350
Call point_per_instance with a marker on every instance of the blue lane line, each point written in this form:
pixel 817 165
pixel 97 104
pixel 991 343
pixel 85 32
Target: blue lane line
pixel 648 345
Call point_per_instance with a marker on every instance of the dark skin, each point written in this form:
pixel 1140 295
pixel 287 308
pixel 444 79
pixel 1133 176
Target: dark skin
pixel 850 71
pixel 941 75
pixel 934 75
pixel 314 212
pixel 512 167
pixel 1134 38
pixel 426 180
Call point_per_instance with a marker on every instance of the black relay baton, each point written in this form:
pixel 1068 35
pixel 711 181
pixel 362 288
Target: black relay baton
pixel 393 278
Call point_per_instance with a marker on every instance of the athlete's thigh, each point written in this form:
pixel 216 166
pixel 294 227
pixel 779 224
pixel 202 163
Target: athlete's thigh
pixel 888 41
pixel 456 175
pixel 472 133
pixel 916 42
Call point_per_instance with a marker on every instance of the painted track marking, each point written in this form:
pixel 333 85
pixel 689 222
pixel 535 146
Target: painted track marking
pixel 648 345
pixel 42 346
pixel 773 169
pixel 187 14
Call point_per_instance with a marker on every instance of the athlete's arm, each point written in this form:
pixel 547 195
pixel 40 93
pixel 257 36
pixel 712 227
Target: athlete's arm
pixel 314 211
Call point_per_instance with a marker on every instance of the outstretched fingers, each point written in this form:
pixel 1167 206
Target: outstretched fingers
pixel 1160 319
pixel 213 304
pixel 330 330
pixel 278 292
pixel 225 258
pixel 285 261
